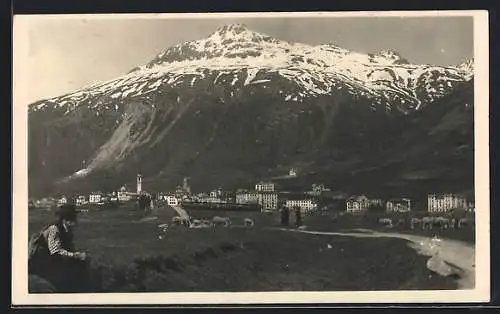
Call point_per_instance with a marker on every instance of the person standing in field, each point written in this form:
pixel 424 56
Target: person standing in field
pixel 285 216
pixel 142 202
pixel 52 255
pixel 298 217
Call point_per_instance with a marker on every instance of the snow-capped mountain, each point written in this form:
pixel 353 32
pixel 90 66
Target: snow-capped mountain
pixel 385 78
pixel 467 67
pixel 240 105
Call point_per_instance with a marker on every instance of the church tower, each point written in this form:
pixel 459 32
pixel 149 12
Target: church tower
pixel 186 186
pixel 139 183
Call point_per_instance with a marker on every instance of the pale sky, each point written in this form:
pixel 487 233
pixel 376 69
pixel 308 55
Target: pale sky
pixel 67 54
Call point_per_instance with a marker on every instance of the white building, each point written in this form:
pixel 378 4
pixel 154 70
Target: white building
pixel 80 200
pixel 292 173
pixel 357 204
pixel 318 189
pixel 216 193
pixel 211 199
pixel 139 184
pixel 95 197
pixel 375 202
pixel 247 197
pixel 398 205
pixel 62 200
pixel 172 200
pixel 438 203
pixel 265 187
pixel 471 207
pixel 186 186
pixel 305 205
pixel 123 195
pixel 268 200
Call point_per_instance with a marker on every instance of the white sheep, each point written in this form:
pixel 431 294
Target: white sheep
pixel 249 222
pixel 195 223
pixel 386 222
pixel 463 222
pixel 414 221
pixel 221 220
pixel 177 220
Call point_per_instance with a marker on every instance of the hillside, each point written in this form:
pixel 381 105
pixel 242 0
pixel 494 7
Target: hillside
pixel 238 106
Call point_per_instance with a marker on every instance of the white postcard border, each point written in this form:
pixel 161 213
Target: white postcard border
pixel 481 293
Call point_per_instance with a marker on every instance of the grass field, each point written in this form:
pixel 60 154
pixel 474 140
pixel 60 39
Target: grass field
pixel 348 222
pixel 127 255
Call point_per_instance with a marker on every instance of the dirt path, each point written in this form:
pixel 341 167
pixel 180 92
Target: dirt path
pixel 459 254
pixel 181 212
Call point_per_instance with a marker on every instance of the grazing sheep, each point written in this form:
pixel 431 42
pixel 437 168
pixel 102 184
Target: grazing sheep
pixel 442 222
pixel 427 222
pixel 249 222
pixel 221 220
pixel 463 222
pixel 414 221
pixel 386 222
pixel 206 223
pixel 177 220
pixel 453 223
pixel 200 223
pixel 195 223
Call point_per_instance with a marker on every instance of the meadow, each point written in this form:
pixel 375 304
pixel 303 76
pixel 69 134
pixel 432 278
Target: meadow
pixel 346 222
pixel 131 254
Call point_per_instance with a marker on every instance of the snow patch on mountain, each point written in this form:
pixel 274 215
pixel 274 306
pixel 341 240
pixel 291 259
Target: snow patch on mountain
pixel 316 70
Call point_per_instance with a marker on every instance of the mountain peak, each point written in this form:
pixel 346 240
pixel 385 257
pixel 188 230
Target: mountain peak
pixel 240 33
pixel 232 28
pixel 467 64
pixel 389 53
pixel 468 67
pixel 392 55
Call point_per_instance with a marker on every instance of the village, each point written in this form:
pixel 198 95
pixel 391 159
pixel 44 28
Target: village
pixel 266 196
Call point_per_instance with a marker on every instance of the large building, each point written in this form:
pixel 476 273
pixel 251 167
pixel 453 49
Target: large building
pixel 305 205
pixel 247 197
pixel 268 200
pixel 355 204
pixel 438 203
pixel 375 202
pixel 139 184
pixel 62 200
pixel 362 203
pixel 95 197
pixel 265 187
pixel 318 189
pixel 172 200
pixel 80 200
pixel 400 205
pixel 186 186
pixel 123 195
pixel 216 193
